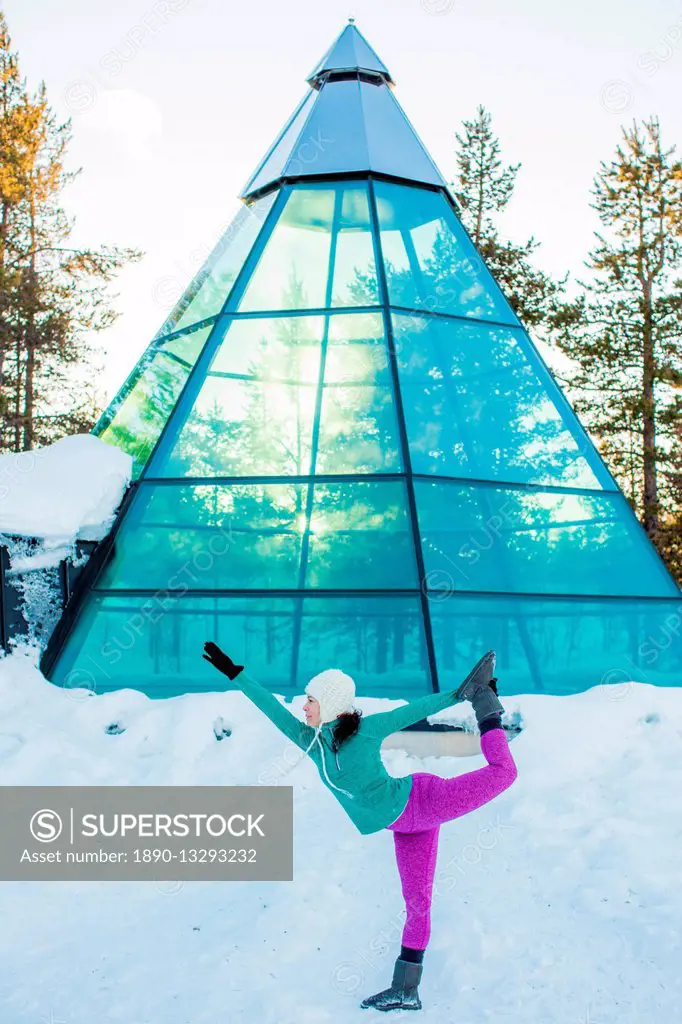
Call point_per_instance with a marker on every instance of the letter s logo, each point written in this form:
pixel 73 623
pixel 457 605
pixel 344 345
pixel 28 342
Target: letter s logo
pixel 46 826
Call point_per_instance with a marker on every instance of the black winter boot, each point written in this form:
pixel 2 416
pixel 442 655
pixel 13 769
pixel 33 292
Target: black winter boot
pixel 403 993
pixel 481 689
pixel 480 676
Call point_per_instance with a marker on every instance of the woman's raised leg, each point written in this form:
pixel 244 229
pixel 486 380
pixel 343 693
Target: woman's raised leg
pixel 439 800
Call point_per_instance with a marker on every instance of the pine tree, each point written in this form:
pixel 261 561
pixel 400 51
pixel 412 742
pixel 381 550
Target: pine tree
pixel 484 188
pixel 623 330
pixel 670 543
pixel 52 295
pixel 14 114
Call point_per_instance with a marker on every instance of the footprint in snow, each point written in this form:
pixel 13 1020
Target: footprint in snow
pixel 220 729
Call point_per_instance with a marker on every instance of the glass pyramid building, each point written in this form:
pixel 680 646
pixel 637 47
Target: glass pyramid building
pixel 348 452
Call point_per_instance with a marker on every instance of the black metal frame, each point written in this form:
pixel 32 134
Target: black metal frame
pixel 404 440
pixel 325 592
pixel 315 439
pixel 80 587
pixel 4 568
pixel 343 478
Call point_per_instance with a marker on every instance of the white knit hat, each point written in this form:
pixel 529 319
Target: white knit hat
pixel 334 691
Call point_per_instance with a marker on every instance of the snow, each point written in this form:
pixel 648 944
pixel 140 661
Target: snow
pixel 85 480
pixel 557 903
pixel 50 498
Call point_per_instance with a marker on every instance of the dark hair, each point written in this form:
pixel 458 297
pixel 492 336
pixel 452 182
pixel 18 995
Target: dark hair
pixel 348 725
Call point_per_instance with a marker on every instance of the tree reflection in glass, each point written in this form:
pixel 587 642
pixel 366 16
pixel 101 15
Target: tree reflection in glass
pixel 135 419
pixel 514 540
pixel 476 407
pixel 210 536
pixel 254 413
pixel 358 428
pixel 210 289
pixel 322 237
pixel 361 537
pixel 430 261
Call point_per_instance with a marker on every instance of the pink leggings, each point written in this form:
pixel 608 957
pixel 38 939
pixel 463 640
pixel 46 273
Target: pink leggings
pixel 433 801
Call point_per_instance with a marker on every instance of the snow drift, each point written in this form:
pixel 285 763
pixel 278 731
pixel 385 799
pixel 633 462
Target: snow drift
pixel 558 903
pixel 70 489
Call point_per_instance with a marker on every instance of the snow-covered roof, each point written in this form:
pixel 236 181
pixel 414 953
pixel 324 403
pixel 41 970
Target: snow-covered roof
pixel 67 490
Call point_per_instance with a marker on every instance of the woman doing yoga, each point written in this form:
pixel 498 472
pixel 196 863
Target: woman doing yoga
pixel 345 747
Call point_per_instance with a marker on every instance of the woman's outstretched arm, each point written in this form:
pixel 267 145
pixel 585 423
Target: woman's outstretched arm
pixel 386 722
pixel 278 714
pixel 286 722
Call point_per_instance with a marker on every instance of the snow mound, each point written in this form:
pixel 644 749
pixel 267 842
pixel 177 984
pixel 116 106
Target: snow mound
pixel 70 489
pixel 556 903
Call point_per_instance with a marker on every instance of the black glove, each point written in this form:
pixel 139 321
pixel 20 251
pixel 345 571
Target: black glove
pixel 220 660
pixel 493 686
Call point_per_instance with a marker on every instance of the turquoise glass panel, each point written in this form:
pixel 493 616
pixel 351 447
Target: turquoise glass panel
pixel 210 289
pixel 155 643
pixel 248 536
pixel 319 254
pixel 358 427
pixel 354 281
pixel 478 404
pixel 210 537
pixel 255 410
pixel 430 261
pixel 559 646
pixel 513 540
pixel 138 414
pixel 379 641
pixel 360 537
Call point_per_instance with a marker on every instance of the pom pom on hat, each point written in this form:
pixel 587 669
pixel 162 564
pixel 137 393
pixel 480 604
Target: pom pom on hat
pixel 334 691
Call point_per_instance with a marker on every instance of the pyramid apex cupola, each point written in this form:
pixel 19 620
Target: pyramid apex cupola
pixel 350 54
pixel 349 122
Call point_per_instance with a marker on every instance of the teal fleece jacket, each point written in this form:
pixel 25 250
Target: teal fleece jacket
pixel 355 774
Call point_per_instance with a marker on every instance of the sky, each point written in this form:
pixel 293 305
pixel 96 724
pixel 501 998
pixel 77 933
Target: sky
pixel 174 102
